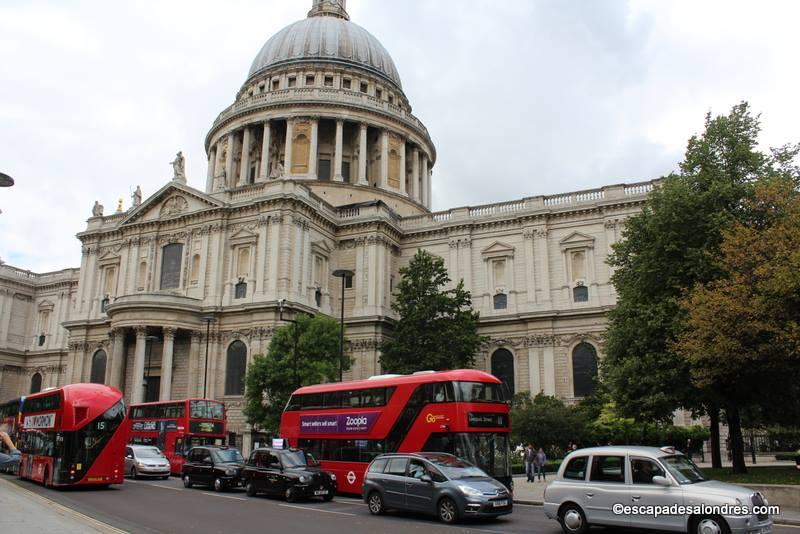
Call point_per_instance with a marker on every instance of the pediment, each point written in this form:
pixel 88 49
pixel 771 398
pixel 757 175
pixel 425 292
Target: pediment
pixel 171 201
pixel 109 258
pixel 577 240
pixel 321 247
pixel 498 249
pixel 243 236
pixel 46 305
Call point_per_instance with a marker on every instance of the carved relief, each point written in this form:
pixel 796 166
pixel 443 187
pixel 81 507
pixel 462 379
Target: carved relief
pixel 174 205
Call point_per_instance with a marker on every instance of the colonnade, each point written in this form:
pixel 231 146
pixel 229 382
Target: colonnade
pixel 290 148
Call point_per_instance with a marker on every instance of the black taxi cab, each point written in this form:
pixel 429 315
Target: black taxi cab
pixel 293 474
pixel 218 467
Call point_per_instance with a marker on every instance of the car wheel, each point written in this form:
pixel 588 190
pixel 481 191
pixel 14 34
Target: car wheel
pixel 328 497
pixel 187 483
pixel 219 485
pixel 572 519
pixel 710 524
pixel 291 495
pixel 375 503
pixel 134 474
pixel 166 477
pixel 448 511
pixel 251 489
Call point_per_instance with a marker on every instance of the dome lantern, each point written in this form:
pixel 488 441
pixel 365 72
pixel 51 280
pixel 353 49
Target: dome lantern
pixel 329 8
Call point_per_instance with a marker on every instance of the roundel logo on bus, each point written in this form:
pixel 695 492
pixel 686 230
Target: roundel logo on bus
pixel 431 418
pixel 351 477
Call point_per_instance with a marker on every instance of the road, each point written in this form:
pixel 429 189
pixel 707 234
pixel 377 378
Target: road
pixel 166 506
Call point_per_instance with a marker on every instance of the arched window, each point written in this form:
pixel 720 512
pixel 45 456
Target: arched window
pixel 503 367
pixel 171 266
pixel 98 375
pixel 584 369
pixel 240 290
pixel 235 368
pixel 36 383
pixel 500 301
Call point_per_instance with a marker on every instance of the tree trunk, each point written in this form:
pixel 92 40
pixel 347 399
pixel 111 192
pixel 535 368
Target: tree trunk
pixel 716 459
pixel 737 441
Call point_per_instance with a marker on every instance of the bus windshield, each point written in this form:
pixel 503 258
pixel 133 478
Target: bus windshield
pixel 479 392
pixel 201 409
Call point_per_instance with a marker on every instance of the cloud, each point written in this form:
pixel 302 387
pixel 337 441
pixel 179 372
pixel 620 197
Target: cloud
pixel 521 98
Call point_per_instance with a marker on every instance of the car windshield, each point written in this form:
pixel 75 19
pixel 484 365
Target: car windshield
pixel 683 469
pixel 456 469
pixel 292 459
pixel 149 453
pixel 227 456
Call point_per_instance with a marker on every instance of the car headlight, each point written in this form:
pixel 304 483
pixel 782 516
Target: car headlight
pixel 305 479
pixel 140 464
pixel 469 490
pixel 333 477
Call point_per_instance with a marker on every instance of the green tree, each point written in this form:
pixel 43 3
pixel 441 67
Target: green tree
pixel 668 248
pixel 437 328
pixel 742 334
pixel 272 377
pixel 548 423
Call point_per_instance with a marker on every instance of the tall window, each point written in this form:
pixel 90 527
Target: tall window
pixel 500 301
pixel 195 273
pixel 503 367
pixel 235 368
pixel 36 383
pixel 171 266
pixel 240 290
pixel 98 375
pixel 584 369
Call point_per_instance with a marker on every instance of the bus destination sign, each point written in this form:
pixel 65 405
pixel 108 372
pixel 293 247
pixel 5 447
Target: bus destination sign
pixel 485 419
pixel 338 423
pixel 47 420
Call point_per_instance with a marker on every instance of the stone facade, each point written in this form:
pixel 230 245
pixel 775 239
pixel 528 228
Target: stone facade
pixel 318 165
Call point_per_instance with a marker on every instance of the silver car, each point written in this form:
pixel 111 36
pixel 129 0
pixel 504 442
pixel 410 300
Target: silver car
pixel 145 461
pixel 643 487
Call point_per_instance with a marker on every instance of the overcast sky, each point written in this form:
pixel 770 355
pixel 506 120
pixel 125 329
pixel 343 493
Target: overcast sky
pixel 521 97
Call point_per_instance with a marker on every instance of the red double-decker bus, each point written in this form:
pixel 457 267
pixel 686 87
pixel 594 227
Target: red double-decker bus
pixel 177 426
pixel 73 435
pixel 347 424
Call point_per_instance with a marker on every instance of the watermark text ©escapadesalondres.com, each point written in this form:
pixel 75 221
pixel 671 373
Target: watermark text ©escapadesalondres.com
pixel 698 509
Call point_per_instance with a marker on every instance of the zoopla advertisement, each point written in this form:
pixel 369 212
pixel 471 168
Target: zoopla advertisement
pixel 338 423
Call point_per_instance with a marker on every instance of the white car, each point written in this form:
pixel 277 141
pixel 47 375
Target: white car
pixel 644 487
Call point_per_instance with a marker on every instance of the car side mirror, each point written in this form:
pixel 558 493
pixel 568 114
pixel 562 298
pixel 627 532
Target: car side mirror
pixel 661 481
pixel 426 478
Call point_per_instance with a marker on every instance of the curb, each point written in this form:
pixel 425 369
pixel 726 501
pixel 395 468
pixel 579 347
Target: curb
pixel 60 508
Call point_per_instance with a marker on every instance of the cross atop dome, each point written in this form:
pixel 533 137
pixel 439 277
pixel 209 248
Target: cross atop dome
pixel 329 8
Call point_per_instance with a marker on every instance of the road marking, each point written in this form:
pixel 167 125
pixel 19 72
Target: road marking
pixel 225 496
pixel 315 509
pixel 167 487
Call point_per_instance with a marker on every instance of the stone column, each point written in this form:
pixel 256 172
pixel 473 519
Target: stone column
pixel 430 188
pixel 549 371
pixel 337 158
pixel 533 371
pixel 166 364
pixel 362 155
pixel 263 172
pixel 138 365
pixel 194 361
pixel 244 168
pixel 415 174
pixel 288 151
pixel 230 180
pixel 384 177
pixel 313 149
pixel 542 256
pixel 403 169
pixel 425 199
pixel 212 161
pixel 118 359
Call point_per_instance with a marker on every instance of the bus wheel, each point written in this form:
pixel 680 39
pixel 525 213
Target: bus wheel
pixel 375 503
pixel 186 482
pixel 251 489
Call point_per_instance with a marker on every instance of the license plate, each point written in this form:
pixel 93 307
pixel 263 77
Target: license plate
pixel 498 504
pixel 321 492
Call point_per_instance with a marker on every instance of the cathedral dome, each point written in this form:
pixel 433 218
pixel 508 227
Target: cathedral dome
pixel 327 35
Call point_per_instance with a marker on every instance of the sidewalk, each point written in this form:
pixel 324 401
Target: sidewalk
pixel 23 511
pixel 533 493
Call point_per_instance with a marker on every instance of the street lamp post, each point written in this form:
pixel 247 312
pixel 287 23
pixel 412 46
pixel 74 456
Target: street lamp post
pixel 342 273
pixel 296 335
pixel 208 320
pixel 149 340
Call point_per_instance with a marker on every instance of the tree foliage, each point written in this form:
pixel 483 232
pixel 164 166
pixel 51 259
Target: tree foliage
pixel 437 328
pixel 742 335
pixel 272 377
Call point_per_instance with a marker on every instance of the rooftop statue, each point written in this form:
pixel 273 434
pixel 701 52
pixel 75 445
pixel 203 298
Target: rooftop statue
pixel 97 209
pixel 178 168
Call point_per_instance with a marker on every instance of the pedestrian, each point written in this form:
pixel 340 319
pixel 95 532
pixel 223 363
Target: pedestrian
pixel 9 461
pixel 540 460
pixel 574 447
pixel 689 448
pixel 530 456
